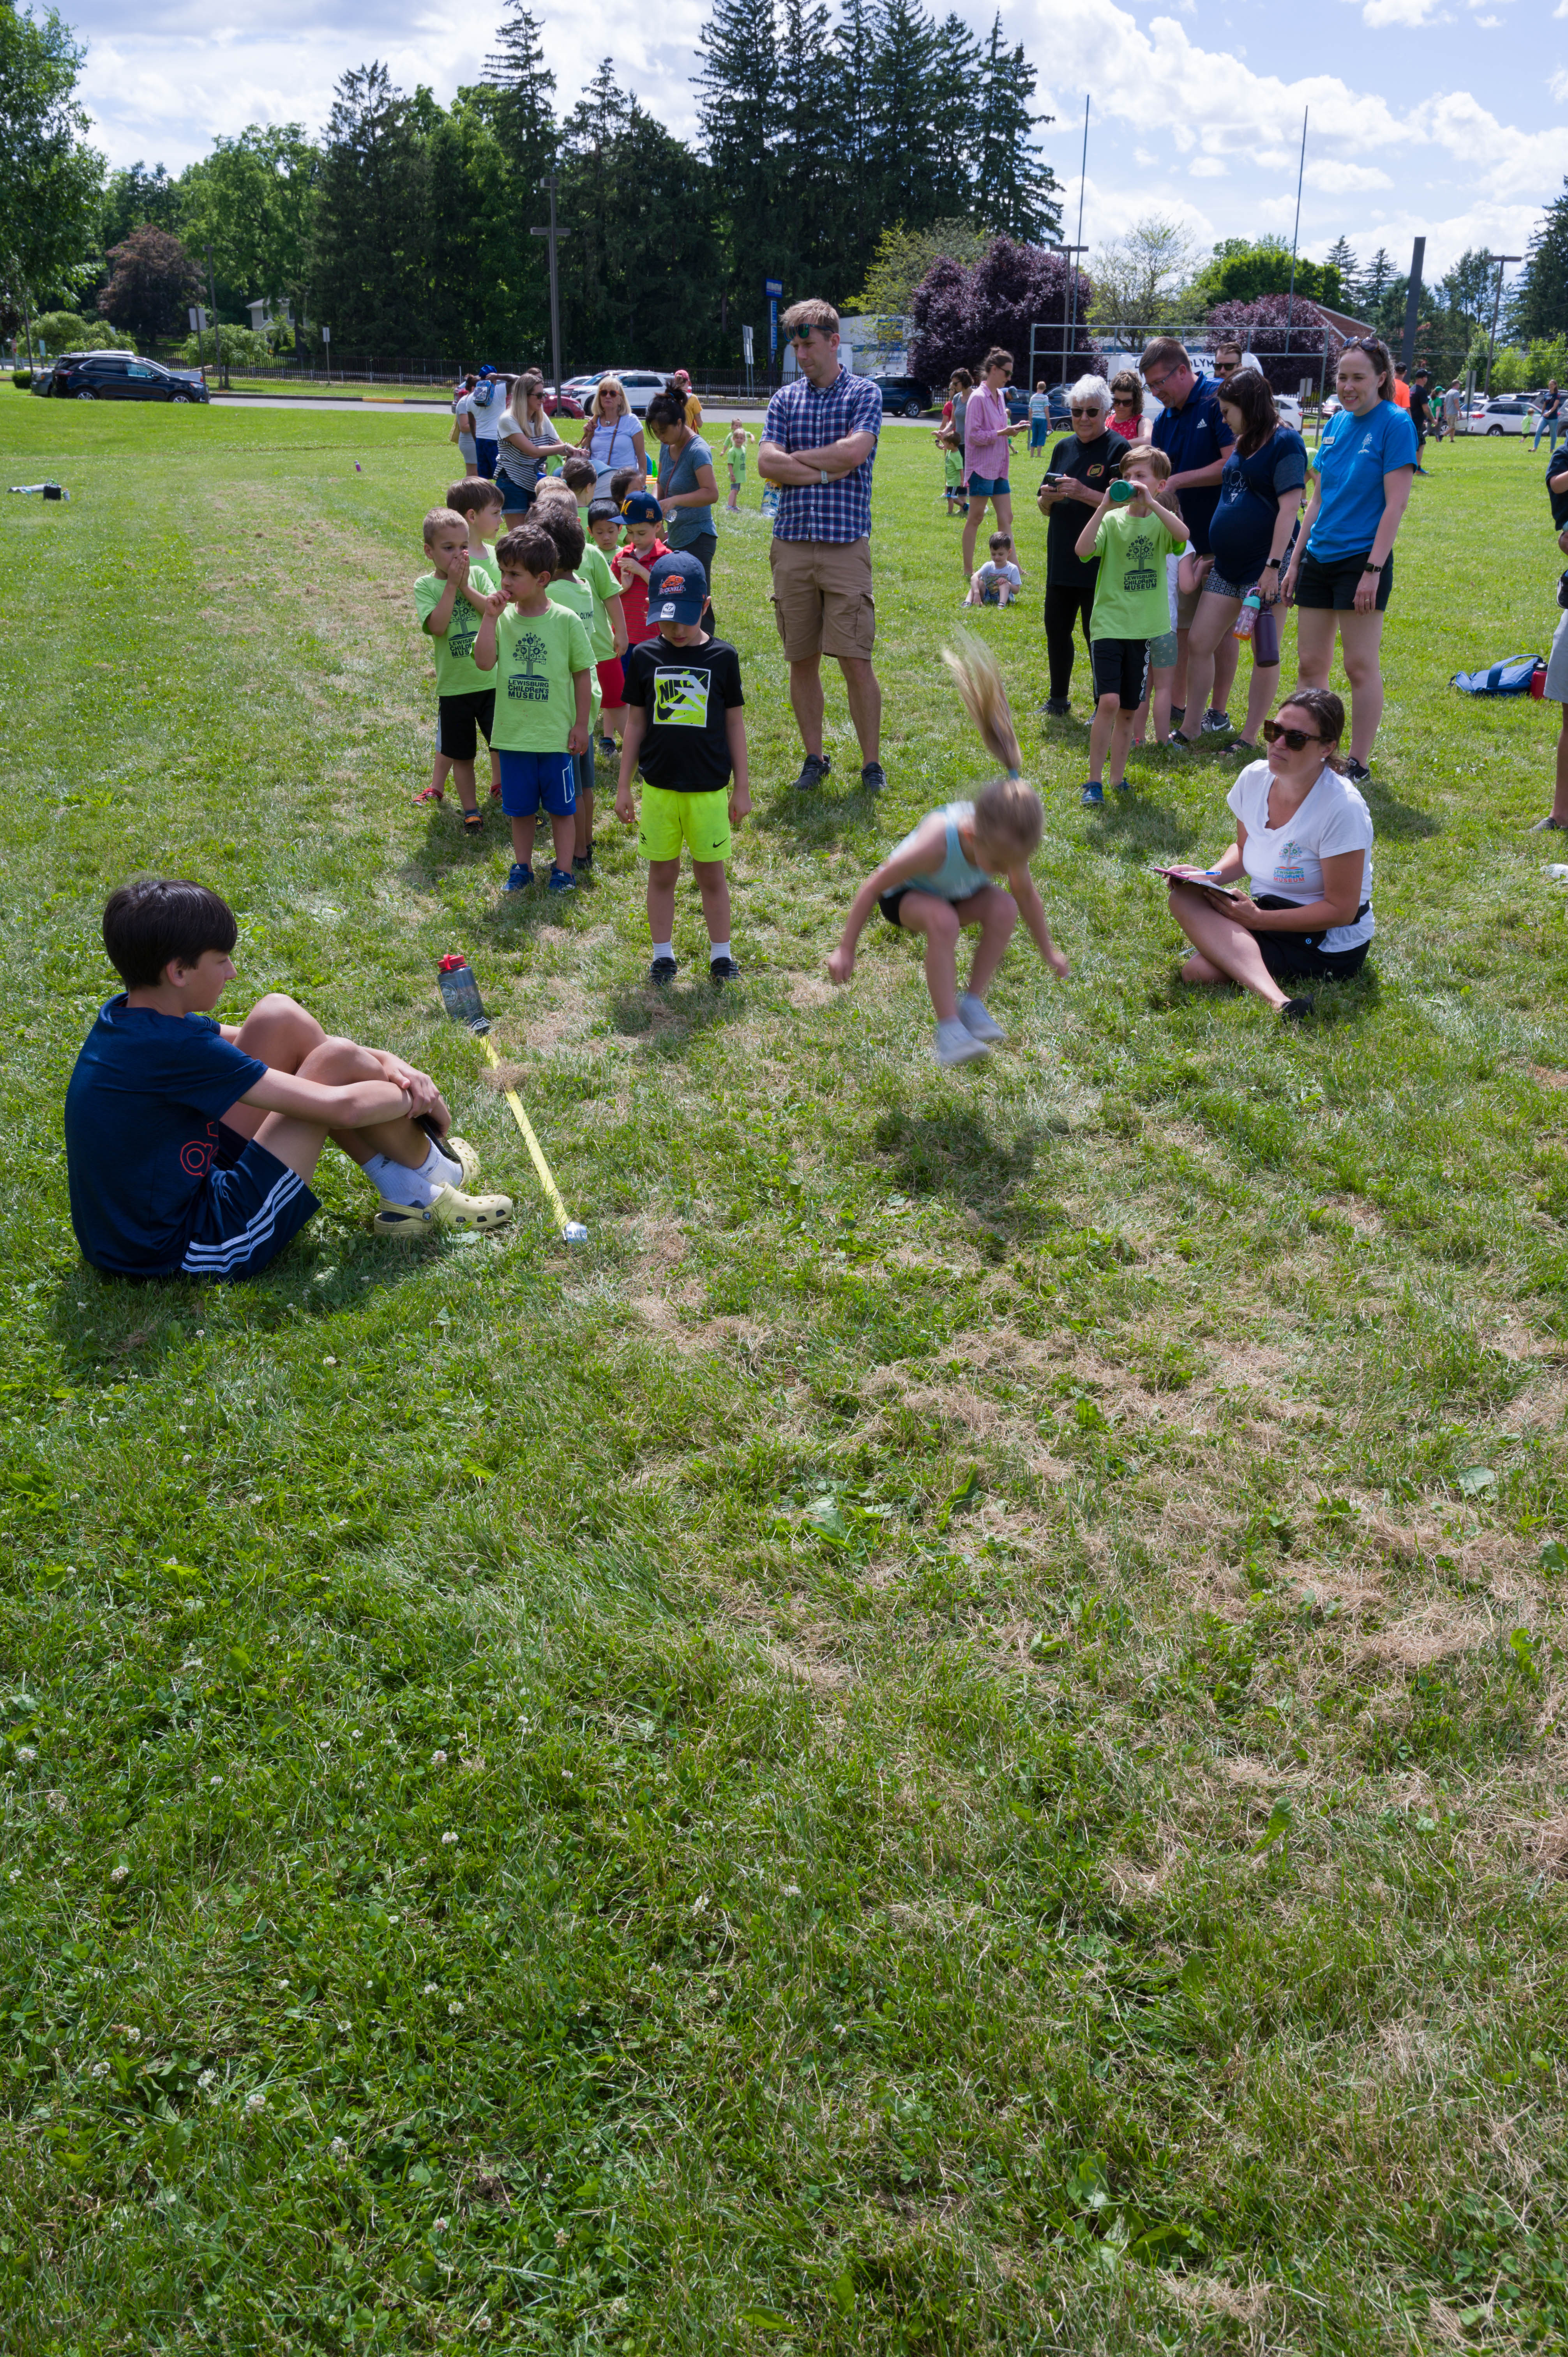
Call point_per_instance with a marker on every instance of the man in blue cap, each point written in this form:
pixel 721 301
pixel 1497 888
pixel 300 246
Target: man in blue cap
pixel 685 730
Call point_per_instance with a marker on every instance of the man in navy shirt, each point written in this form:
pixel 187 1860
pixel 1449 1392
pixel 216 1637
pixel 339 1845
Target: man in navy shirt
pixel 189 1144
pixel 1192 432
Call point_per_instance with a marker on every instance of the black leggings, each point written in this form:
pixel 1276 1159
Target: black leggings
pixel 705 549
pixel 1063 608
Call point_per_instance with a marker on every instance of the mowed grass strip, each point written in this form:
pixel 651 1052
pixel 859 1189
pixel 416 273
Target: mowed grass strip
pixel 950 1739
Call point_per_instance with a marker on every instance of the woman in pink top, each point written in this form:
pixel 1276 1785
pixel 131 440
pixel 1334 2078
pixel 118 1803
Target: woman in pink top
pixel 986 445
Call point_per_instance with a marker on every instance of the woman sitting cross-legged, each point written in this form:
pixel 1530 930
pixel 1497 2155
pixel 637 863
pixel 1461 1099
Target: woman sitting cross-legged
pixel 1304 841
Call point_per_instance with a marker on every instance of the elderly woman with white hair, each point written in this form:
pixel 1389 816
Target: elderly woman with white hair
pixel 1083 464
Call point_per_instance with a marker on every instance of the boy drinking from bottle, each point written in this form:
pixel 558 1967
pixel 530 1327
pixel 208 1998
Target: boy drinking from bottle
pixel 1131 533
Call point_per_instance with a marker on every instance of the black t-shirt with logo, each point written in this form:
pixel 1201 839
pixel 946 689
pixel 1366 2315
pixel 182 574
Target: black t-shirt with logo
pixel 687 693
pixel 1093 464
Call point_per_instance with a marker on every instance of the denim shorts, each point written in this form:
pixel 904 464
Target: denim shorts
pixel 531 779
pixel 989 486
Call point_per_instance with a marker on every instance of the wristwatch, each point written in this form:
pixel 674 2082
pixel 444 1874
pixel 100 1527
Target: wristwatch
pixel 823 472
pixel 1371 568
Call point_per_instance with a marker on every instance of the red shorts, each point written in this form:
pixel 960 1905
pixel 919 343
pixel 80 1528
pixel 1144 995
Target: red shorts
pixel 612 684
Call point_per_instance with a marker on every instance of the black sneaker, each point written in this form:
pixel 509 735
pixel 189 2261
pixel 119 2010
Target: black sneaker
pixel 1057 708
pixel 1215 722
pixel 581 859
pixel 1295 1010
pixel 723 968
pixel 873 777
pixel 662 970
pixel 814 769
pixel 1357 771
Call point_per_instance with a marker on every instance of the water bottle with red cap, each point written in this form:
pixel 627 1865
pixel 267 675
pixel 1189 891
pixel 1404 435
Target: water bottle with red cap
pixel 460 993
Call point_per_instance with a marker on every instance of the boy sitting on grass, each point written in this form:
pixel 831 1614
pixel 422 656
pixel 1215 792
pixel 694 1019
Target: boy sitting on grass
pixel 999 580
pixel 685 730
pixel 543 664
pixel 188 1143
pixel 450 616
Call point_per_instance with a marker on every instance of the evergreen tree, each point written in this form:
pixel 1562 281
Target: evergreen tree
pixel 642 265
pixel 488 299
pixel 855 42
pixel 808 180
pixel 1341 257
pixel 369 272
pixel 1372 287
pixel 523 117
pixel 1015 190
pixel 1540 303
pixel 955 120
pixel 906 107
pixel 738 110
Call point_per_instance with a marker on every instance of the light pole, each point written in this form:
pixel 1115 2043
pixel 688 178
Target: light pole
pixel 555 236
pixel 1496 306
pixel 1067 252
pixel 217 337
pixel 1295 234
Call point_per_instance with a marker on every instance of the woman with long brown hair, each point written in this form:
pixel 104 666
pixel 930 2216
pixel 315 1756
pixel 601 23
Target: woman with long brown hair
pixel 1260 496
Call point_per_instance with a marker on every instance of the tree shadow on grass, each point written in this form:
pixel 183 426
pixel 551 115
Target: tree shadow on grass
pixel 952 1151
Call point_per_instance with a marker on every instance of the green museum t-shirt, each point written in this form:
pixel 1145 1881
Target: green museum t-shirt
pixel 1130 597
pixel 537 656
pixel 456 673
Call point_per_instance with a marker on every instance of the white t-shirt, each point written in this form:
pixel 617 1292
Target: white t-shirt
pixel 1286 864
pixel 463 410
pixel 486 413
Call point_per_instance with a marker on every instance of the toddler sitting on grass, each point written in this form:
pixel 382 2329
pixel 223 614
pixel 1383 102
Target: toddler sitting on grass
pixel 189 1144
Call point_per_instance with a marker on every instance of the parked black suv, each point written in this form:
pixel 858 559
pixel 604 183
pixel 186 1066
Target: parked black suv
pixel 119 376
pixel 903 396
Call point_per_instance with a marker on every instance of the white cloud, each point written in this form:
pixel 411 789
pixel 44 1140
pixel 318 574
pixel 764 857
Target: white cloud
pixel 1336 180
pixel 1559 84
pixel 1209 167
pixel 1380 13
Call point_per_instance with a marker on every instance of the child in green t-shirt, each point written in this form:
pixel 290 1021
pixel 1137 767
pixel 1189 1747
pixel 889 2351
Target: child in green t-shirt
pixel 448 600
pixel 543 665
pixel 585 585
pixel 604 534
pixel 1132 536
pixel 476 499
pixel 735 444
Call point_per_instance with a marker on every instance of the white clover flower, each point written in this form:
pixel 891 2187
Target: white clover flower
pixel 439 2225
pixel 26 1754
pixel 431 1988
pixel 438 1759
pixel 133 2037
pixel 256 2102
pixel 98 2071
pixel 117 1874
pixel 344 2026
pixel 337 2148
pixel 213 1780
pixel 206 2079
pixel 447 1839
pixel 454 2006
pixel 15 1875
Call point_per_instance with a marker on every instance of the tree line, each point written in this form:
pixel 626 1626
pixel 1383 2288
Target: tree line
pixel 404 225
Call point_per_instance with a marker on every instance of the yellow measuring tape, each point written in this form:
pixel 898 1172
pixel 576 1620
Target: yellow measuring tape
pixel 573 1230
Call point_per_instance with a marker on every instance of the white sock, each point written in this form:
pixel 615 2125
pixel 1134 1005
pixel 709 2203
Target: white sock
pixel 396 1183
pixel 663 949
pixel 717 950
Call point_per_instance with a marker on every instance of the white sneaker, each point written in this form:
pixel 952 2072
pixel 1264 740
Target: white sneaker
pixel 956 1045
pixel 972 1015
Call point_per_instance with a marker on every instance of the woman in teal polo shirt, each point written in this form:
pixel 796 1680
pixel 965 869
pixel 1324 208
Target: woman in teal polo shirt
pixel 1343 569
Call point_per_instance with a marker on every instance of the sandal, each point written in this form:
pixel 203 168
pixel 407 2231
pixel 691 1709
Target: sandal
pixel 473 822
pixel 430 795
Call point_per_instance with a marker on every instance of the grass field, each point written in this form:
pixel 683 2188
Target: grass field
pixel 950 1738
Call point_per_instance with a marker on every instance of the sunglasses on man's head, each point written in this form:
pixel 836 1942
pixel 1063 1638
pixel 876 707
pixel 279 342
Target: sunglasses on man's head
pixel 1296 739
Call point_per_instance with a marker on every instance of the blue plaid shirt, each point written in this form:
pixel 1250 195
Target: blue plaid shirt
pixel 799 417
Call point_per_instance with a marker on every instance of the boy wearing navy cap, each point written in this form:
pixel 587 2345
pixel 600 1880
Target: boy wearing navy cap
pixel 685 730
pixel 632 565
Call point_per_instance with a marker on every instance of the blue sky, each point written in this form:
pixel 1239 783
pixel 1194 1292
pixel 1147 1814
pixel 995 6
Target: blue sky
pixel 1447 117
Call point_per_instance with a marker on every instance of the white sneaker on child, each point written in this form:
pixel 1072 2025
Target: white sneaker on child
pixel 972 1015
pixel 957 1045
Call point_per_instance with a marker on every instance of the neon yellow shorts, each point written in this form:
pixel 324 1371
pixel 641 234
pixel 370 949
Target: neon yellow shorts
pixel 667 820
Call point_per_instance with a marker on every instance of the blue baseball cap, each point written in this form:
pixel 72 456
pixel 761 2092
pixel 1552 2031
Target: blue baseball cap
pixel 679 589
pixel 641 507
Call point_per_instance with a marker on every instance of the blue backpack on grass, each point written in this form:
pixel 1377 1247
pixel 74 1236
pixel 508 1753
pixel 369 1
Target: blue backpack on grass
pixel 1514 677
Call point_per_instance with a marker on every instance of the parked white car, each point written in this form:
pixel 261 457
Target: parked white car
pixel 1507 413
pixel 1289 408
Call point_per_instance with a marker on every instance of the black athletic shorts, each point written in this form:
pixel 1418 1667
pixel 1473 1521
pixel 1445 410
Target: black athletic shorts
pixel 1120 669
pixel 1286 954
pixel 1332 580
pixel 459 721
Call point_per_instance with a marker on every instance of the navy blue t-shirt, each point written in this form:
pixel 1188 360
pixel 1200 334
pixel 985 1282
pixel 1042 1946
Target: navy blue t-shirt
pixel 1191 437
pixel 141 1129
pixel 1250 489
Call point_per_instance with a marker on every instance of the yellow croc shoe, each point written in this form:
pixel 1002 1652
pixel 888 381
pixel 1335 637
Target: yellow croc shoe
pixel 480 1213
pixel 457 1149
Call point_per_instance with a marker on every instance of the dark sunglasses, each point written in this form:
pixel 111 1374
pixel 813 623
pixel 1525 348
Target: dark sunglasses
pixel 1295 738
pixel 1226 368
pixel 1082 409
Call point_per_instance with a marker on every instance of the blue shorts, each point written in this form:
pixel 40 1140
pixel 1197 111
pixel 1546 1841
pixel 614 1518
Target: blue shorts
pixel 989 487
pixel 250 1207
pixel 531 779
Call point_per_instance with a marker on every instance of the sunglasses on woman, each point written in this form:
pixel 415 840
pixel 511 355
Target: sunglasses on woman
pixel 1296 740
pixel 1083 409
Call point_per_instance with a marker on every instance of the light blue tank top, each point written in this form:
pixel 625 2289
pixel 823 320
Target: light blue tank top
pixel 957 878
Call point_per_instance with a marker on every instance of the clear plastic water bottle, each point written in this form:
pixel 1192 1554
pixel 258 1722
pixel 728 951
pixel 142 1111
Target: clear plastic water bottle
pixel 1252 607
pixel 460 993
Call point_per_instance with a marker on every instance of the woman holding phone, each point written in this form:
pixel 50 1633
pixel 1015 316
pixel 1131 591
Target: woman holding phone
pixel 1259 494
pixel 1303 844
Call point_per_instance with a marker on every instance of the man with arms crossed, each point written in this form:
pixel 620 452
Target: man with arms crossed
pixel 817 445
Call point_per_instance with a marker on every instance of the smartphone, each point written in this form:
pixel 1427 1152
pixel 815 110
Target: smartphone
pixel 1052 482
pixel 1122 492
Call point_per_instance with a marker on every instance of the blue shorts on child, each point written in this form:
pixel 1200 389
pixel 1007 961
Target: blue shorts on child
pixel 251 1206
pixel 534 780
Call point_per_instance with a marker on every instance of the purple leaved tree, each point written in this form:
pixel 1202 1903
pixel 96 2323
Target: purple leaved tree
pixel 1260 326
pixel 959 314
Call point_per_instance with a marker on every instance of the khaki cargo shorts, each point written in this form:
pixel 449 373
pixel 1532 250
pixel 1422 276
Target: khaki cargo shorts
pixel 822 599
